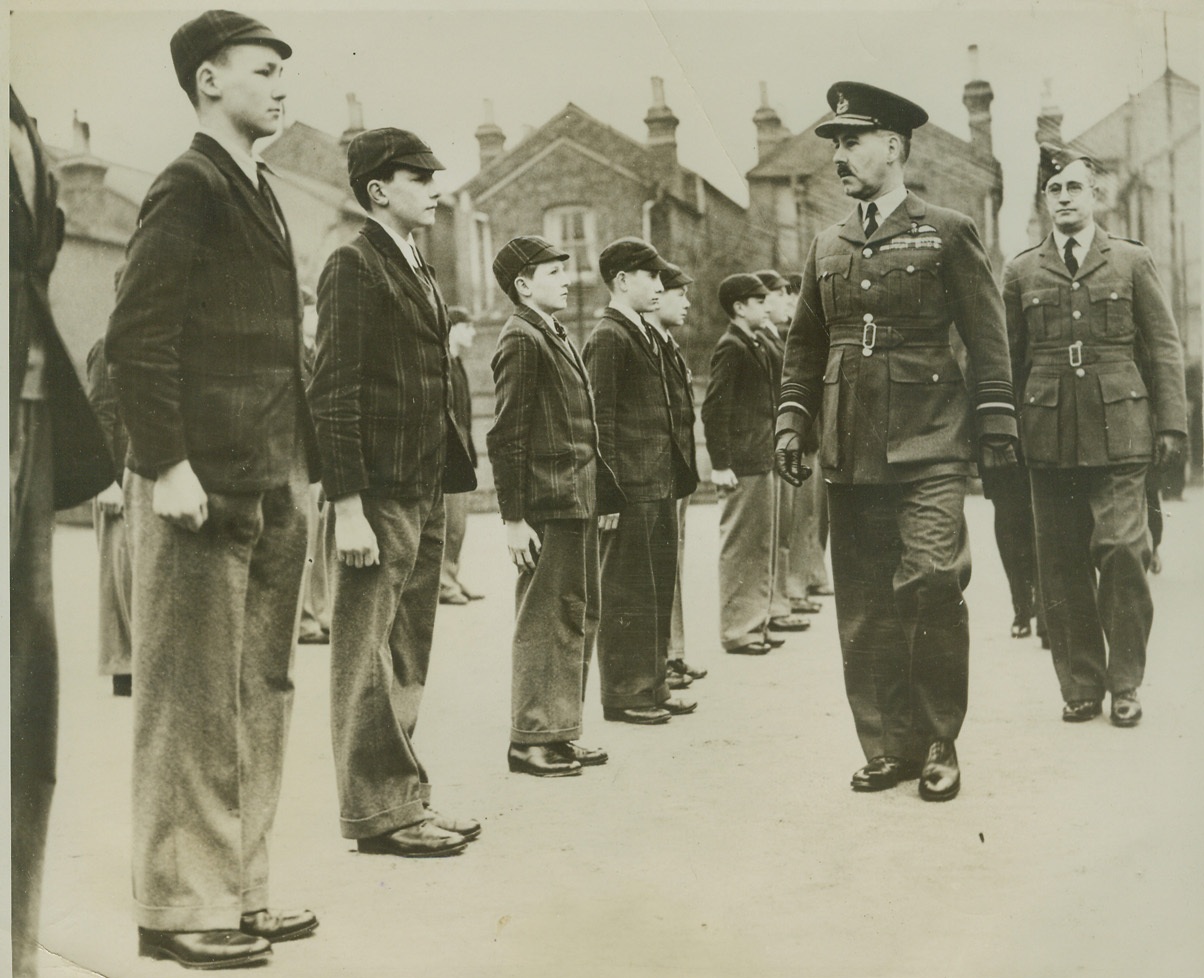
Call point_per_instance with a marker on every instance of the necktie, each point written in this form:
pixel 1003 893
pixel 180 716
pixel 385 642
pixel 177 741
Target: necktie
pixel 871 219
pixel 265 191
pixel 558 329
pixel 1072 263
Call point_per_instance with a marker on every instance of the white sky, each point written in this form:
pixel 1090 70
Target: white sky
pixel 429 70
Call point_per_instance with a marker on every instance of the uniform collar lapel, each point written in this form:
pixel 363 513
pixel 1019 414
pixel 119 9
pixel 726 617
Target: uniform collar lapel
pixel 259 208
pixel 564 347
pixel 1096 255
pixel 400 269
pixel 1052 261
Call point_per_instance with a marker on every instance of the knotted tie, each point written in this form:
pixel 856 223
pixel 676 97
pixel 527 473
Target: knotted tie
pixel 558 329
pixel 871 219
pixel 1072 263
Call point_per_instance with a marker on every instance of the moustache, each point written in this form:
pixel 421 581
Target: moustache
pixel 843 171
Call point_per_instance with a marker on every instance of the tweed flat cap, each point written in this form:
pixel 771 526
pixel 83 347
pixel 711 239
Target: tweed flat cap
pixel 628 255
pixel 373 149
pixel 771 279
pixel 736 288
pixel 674 278
pixel 518 253
pixel 861 106
pixel 204 36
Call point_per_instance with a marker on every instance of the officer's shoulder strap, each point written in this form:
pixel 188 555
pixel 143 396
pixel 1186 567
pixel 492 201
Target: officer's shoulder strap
pixel 1119 237
pixel 1029 248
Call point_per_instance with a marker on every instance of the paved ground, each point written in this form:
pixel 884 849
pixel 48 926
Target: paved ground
pixel 725 844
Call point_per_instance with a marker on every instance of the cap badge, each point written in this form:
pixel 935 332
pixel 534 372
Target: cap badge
pixel 842 104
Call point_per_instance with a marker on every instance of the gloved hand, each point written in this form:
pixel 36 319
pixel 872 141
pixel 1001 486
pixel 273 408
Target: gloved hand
pixel 788 458
pixel 1168 449
pixel 998 452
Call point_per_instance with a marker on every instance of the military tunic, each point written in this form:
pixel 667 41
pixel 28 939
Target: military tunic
pixel 1099 365
pixel 868 358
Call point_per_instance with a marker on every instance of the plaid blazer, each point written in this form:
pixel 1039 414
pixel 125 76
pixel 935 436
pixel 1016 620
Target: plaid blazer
pixel 543 445
pixel 739 407
pixel 635 424
pixel 204 345
pixel 380 393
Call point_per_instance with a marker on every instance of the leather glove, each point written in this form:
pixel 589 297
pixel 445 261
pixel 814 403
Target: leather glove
pixel 788 458
pixel 998 452
pixel 1168 449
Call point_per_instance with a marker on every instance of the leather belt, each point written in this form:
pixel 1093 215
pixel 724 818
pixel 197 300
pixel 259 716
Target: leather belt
pixel 1076 354
pixel 871 335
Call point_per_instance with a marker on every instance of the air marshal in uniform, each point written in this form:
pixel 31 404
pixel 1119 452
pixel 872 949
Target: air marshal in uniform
pixel 868 359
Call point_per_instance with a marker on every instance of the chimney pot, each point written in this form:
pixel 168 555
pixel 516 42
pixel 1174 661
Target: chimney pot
pixel 490 138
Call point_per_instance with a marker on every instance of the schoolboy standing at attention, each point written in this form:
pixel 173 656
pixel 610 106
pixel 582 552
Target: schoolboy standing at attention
pixel 543 447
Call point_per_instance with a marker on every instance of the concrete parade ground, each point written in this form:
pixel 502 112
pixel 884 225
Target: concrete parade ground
pixel 726 844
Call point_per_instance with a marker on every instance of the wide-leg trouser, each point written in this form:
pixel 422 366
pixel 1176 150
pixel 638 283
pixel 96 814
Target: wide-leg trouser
pixel 747 534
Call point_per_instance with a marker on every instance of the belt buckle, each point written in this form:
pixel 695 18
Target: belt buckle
pixel 869 335
pixel 1076 353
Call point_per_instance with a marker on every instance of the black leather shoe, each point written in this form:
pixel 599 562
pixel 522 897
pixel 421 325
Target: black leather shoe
pixel 823 590
pixel 678 680
pixel 753 648
pixel 279 925
pixel 1022 626
pixel 806 607
pixel 123 684
pixel 941 778
pixel 645 715
pixel 541 760
pixel 469 828
pixel 683 667
pixel 585 756
pixel 678 707
pixel 789 623
pixel 1076 711
pixel 423 839
pixel 204 949
pixel 1126 710
pixel 884 772
pixel 452 597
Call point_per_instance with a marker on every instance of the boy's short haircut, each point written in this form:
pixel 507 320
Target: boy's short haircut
pixel 384 173
pixel 527 272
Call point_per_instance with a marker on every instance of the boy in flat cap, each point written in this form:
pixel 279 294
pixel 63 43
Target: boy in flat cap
pixel 1097 357
pixel 779 310
pixel 382 407
pixel 637 438
pixel 737 417
pixel 670 315
pixel 543 447
pixel 868 355
pixel 205 352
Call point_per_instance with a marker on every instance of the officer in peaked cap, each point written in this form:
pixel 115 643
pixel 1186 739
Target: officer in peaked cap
pixel 868 359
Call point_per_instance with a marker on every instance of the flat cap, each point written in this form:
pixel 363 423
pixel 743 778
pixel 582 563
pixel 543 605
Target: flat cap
pixel 518 253
pixel 674 278
pixel 372 149
pixel 736 288
pixel 202 37
pixel 861 106
pixel 771 279
pixel 628 255
pixel 1054 159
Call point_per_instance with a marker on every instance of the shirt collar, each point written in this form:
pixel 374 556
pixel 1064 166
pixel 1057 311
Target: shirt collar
pixel 404 245
pixel 770 327
pixel 248 164
pixel 1082 239
pixel 627 311
pixel 887 204
pixel 542 315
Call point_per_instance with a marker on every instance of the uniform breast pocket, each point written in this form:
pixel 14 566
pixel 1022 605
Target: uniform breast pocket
pixel 832 271
pixel 1041 313
pixel 913 284
pixel 1112 308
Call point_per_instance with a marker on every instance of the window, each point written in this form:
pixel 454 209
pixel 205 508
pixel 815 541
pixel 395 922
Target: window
pixel 574 229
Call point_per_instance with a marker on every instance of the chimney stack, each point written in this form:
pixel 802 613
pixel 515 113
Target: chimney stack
pixel 81 136
pixel 977 99
pixel 770 131
pixel 490 137
pixel 1049 119
pixel 662 136
pixel 355 121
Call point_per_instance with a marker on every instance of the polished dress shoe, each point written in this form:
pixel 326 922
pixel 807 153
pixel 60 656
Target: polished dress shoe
pixel 789 623
pixel 678 707
pixel 823 590
pixel 678 680
pixel 452 597
pixel 471 595
pixel 643 715
pixel 469 828
pixel 883 772
pixel 775 643
pixel 585 756
pixel 1126 710
pixel 683 667
pixel 317 636
pixel 423 839
pixel 279 925
pixel 941 778
pixel 804 606
pixel 752 648
pixel 123 684
pixel 1076 711
pixel 204 949
pixel 1022 626
pixel 542 761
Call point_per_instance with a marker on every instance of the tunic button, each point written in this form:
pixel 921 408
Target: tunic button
pixel 1113 296
pixel 865 283
pixel 868 317
pixel 1076 315
pixel 910 269
pixel 935 378
pixel 1080 372
pixel 1132 393
pixel 1075 285
pixel 868 253
pixel 1036 301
